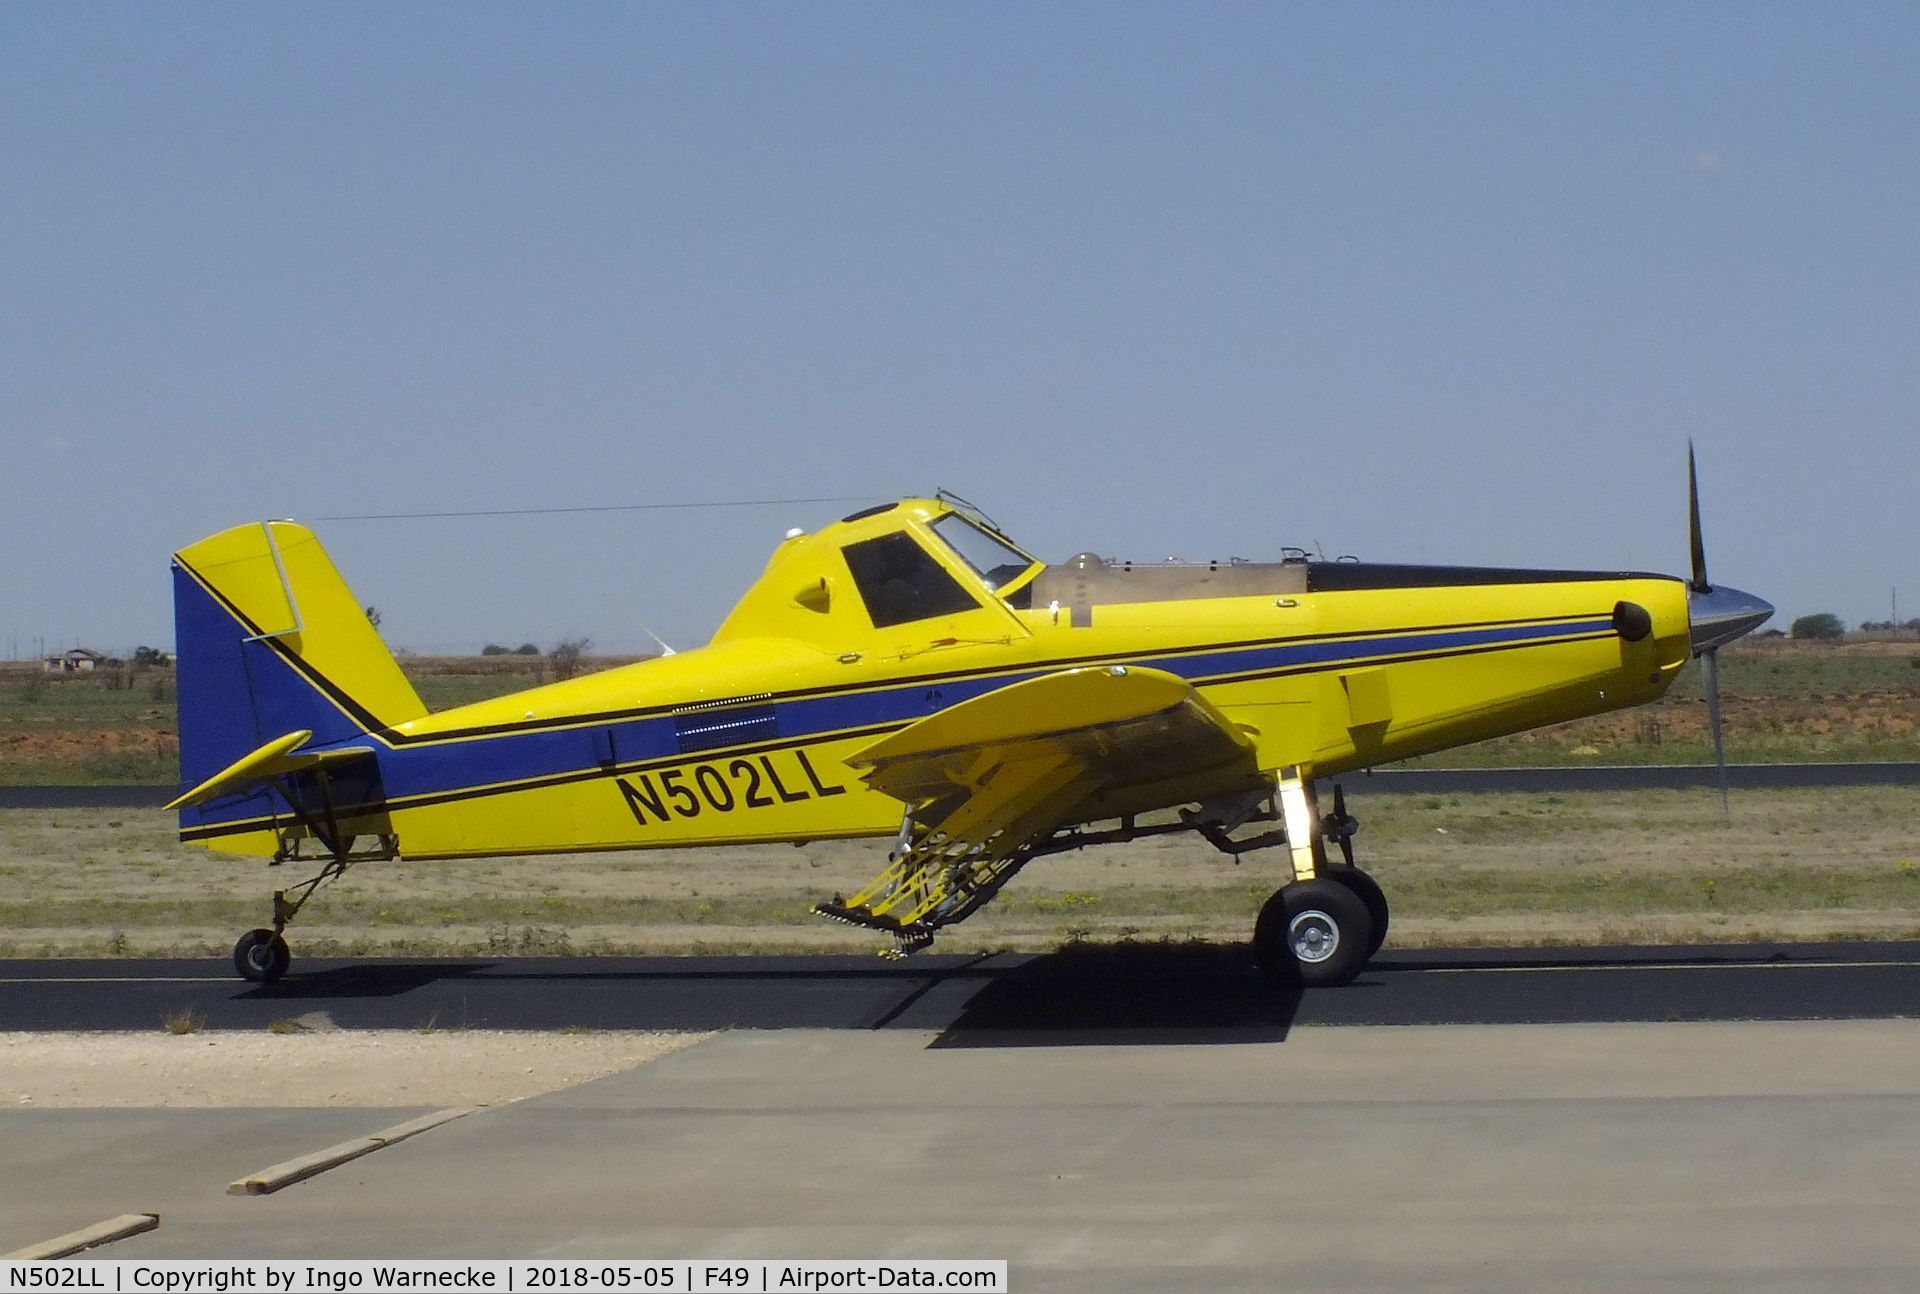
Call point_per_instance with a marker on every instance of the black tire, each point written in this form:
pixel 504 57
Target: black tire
pixel 261 956
pixel 1320 927
pixel 1372 896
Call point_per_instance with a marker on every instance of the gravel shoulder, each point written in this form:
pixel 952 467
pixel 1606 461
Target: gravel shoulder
pixel 224 1070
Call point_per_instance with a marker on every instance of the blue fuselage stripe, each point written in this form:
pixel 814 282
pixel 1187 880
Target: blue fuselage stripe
pixel 438 768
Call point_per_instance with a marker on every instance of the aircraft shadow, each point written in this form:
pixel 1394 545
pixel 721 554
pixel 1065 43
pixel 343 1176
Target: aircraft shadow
pixel 1134 993
pixel 371 979
pixel 386 977
pixel 1138 993
pixel 1127 993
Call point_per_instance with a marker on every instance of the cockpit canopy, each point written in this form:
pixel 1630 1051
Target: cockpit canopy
pixel 919 560
pixel 899 580
pixel 932 569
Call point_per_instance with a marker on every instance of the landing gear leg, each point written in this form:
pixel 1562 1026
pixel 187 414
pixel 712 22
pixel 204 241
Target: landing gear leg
pixel 1341 827
pixel 1324 926
pixel 262 955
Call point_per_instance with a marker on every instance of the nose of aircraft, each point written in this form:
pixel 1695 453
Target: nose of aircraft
pixel 1716 616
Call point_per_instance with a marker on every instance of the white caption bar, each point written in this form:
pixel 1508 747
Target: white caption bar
pixel 681 1275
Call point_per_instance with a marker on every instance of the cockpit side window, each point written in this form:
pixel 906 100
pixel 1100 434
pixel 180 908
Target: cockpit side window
pixel 900 581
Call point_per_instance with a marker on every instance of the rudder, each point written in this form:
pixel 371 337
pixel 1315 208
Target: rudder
pixel 270 640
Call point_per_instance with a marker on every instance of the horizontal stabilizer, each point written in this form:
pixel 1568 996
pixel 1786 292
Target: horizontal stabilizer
pixel 277 758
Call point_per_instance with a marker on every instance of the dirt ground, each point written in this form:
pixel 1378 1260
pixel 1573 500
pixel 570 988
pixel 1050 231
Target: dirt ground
pixel 71 744
pixel 313 1067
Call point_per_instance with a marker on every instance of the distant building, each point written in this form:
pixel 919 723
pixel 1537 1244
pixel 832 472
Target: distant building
pixel 77 661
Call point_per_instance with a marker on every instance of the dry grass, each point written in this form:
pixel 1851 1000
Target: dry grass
pixel 186 1020
pixel 1502 868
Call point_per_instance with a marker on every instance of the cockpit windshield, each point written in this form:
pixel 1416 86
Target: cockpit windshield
pixel 997 562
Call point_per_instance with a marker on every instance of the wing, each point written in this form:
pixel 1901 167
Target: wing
pixel 986 779
pixel 1116 725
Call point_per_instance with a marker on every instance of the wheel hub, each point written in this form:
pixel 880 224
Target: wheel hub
pixel 1314 936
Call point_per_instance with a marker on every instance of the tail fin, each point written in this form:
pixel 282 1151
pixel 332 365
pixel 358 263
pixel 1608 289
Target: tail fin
pixel 270 640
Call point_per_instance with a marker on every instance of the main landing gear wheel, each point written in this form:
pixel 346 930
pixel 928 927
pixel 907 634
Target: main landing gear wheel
pixel 1372 896
pixel 1320 927
pixel 262 956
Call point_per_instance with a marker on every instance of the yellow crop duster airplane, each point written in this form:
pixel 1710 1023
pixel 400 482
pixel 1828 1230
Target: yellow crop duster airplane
pixel 910 672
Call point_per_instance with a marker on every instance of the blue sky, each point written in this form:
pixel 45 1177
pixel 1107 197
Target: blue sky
pixel 1440 282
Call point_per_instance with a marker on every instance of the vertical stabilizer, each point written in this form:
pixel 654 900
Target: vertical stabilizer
pixel 271 640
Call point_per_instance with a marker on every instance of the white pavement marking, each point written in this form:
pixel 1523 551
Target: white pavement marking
pixel 287 1172
pixel 121 979
pixel 1398 970
pixel 1646 966
pixel 100 1233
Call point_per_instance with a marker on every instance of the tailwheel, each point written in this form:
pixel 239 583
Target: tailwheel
pixel 262 956
pixel 1318 929
pixel 1372 896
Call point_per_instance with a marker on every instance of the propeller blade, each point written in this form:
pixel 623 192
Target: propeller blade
pixel 1699 582
pixel 1714 616
pixel 1710 667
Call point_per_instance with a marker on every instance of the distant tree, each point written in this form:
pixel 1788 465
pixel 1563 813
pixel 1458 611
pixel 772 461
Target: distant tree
pixel 526 649
pixel 373 616
pixel 493 649
pixel 143 656
pixel 1823 624
pixel 565 658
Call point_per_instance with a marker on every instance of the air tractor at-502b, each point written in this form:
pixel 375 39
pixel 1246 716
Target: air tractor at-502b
pixel 909 672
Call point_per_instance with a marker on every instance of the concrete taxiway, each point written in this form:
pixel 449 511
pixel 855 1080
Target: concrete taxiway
pixel 1114 1119
pixel 1761 1156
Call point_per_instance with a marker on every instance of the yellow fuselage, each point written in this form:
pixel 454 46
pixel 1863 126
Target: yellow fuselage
pixel 747 739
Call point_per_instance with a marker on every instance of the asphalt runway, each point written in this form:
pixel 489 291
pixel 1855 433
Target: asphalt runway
pixel 1187 993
